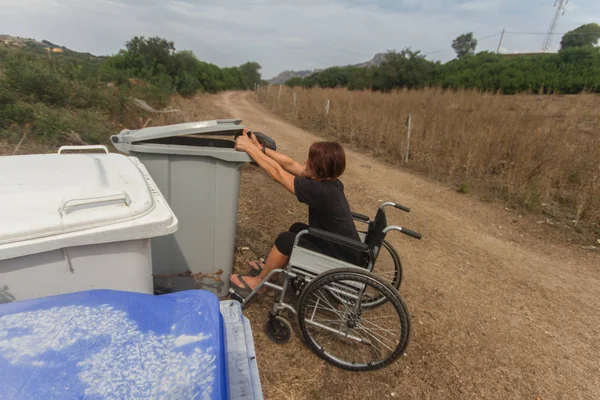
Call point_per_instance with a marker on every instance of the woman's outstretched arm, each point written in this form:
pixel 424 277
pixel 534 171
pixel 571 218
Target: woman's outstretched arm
pixel 287 163
pixel 270 166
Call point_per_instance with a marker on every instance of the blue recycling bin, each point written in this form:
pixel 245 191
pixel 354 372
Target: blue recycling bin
pixel 104 344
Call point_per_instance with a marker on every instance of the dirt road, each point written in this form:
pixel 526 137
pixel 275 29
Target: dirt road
pixel 498 311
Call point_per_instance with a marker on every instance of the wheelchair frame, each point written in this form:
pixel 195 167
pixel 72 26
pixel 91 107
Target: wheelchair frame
pixel 308 266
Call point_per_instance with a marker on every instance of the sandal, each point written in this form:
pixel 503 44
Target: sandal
pixel 244 291
pixel 256 267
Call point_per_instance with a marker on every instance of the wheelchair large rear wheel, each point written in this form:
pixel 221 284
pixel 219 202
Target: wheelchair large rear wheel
pixel 388 265
pixel 345 333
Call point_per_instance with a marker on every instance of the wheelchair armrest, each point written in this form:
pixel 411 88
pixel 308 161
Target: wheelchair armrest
pixel 360 217
pixel 338 239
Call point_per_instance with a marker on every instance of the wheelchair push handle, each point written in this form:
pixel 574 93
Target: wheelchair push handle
pixel 360 217
pixel 413 234
pixel 401 207
pixel 395 205
pixel 408 232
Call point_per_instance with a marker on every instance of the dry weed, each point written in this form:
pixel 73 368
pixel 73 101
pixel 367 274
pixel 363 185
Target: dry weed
pixel 539 152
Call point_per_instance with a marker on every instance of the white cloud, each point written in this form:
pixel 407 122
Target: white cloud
pixel 287 34
pixel 480 5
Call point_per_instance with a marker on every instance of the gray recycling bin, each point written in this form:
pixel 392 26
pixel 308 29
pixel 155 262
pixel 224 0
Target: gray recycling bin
pixel 198 172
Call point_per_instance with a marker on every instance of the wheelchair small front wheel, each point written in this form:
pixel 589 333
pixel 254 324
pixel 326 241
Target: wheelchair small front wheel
pixel 278 329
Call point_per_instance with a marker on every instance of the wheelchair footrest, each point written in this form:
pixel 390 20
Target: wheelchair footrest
pixel 235 296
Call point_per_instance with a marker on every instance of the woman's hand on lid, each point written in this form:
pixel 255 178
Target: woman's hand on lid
pixel 246 141
pixel 243 142
pixel 255 141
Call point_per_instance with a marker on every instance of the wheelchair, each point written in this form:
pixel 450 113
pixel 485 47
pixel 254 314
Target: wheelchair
pixel 348 314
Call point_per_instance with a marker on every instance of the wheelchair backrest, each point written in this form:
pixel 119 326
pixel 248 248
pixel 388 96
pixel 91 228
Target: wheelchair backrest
pixel 375 235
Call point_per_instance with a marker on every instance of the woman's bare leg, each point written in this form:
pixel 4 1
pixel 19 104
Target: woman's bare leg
pixel 275 260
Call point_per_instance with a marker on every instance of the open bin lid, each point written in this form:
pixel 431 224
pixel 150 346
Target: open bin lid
pixel 112 344
pixel 156 140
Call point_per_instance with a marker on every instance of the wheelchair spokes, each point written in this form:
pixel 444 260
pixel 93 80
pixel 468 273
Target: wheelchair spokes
pixel 342 331
pixel 388 265
pixel 369 296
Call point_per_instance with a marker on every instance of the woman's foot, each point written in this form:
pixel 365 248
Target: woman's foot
pixel 246 283
pixel 256 267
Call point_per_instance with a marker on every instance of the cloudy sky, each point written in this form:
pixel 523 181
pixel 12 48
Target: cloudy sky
pixel 290 34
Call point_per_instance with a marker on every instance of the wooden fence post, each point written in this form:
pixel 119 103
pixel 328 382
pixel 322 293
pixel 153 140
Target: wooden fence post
pixel 409 126
pixel 295 100
pixel 327 107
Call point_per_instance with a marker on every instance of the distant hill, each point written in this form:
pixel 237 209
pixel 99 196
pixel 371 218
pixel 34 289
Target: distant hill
pixel 377 60
pixel 287 75
pixel 45 47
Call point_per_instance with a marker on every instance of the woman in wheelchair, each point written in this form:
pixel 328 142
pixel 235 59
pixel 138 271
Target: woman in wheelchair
pixel 317 184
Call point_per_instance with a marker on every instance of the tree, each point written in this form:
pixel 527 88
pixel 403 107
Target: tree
pixel 464 45
pixel 406 69
pixel 295 81
pixel 150 53
pixel 585 36
pixel 251 73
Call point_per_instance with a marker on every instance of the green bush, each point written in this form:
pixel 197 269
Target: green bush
pixel 12 135
pixel 92 95
pixel 17 113
pixel 188 85
pixel 51 125
pixel 75 93
pixel 571 71
pixel 6 95
pixel 37 80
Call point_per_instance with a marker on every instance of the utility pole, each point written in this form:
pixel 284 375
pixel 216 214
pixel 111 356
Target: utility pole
pixel 501 39
pixel 409 127
pixel 561 7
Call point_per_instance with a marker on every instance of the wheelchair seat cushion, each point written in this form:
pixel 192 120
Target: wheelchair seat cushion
pixel 285 243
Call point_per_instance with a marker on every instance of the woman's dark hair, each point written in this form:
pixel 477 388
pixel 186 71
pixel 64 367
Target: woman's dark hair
pixel 327 160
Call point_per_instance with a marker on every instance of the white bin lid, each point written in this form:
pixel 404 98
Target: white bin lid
pixel 140 140
pixel 212 127
pixel 53 201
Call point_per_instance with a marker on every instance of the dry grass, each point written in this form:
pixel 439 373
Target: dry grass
pixel 538 152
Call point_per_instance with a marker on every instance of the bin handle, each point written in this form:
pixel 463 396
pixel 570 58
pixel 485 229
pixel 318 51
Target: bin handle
pixel 90 147
pixel 124 197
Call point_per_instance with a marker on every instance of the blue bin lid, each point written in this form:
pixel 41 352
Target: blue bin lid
pixel 110 344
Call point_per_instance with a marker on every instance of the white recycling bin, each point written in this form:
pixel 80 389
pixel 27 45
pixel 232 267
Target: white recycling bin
pixel 77 221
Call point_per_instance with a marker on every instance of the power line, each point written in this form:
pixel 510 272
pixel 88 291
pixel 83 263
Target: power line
pixel 545 33
pixel 451 49
pixel 490 36
pixel 508 33
pixel 438 51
